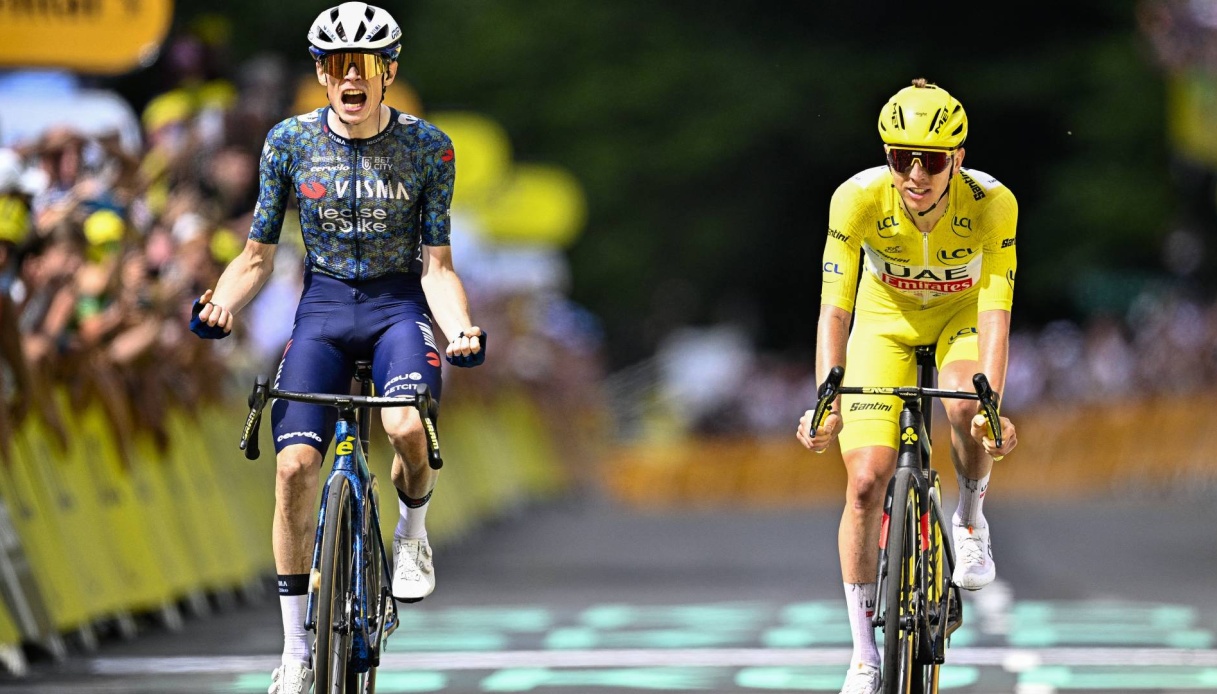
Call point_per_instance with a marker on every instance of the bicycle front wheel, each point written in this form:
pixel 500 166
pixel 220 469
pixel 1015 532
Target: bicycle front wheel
pixel 902 674
pixel 334 594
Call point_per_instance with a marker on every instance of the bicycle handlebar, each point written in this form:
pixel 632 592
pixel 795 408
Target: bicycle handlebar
pixel 831 388
pixel 262 394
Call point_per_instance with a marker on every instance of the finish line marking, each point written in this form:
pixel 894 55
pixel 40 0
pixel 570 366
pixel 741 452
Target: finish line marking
pixel 1009 659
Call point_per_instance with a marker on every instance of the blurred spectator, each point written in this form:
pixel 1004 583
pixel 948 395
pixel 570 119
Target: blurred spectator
pixel 1182 36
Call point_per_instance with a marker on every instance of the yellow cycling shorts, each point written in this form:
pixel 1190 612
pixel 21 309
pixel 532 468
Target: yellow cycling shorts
pixel 881 353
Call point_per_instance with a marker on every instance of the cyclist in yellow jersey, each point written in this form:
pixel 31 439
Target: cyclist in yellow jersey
pixel 919 252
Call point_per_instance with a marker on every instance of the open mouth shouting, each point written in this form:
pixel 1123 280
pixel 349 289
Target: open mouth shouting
pixel 353 100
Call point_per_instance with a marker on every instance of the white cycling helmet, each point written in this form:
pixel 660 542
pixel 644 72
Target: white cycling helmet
pixel 355 26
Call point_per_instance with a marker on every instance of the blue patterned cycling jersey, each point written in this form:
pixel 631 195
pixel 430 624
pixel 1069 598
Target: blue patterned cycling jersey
pixel 364 204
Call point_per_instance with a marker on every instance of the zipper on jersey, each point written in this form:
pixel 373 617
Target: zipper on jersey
pixel 355 205
pixel 925 260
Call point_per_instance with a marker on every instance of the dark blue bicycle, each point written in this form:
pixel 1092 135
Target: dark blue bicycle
pixel 350 607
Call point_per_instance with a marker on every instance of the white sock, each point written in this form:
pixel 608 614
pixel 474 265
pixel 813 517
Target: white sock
pixel 971 499
pixel 295 638
pixel 860 604
pixel 412 522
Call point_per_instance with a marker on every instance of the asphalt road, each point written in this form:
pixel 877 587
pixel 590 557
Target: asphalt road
pixel 1112 595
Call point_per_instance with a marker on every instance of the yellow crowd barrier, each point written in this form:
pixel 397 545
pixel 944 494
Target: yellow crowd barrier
pixel 45 519
pixel 1064 450
pixel 101 535
pixel 10 642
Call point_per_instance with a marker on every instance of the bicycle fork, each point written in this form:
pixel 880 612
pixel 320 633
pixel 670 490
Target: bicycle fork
pixel 944 612
pixel 388 622
pixel 933 614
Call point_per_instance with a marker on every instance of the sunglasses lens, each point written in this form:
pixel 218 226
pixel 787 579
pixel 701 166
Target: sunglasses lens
pixel 936 162
pixel 902 160
pixel 368 65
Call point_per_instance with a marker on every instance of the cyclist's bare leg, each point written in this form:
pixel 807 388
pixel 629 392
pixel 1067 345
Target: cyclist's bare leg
pixel 413 571
pixel 974 568
pixel 411 474
pixel 868 470
pixel 969 457
pixel 293 531
pixel 297 467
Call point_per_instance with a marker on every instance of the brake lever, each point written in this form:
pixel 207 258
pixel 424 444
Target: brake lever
pixel 425 409
pixel 827 394
pixel 249 434
pixel 989 402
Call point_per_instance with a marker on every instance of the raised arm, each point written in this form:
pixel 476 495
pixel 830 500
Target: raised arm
pixel 448 302
pixel 238 284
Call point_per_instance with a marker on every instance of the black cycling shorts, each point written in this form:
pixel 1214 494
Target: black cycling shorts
pixel 341 321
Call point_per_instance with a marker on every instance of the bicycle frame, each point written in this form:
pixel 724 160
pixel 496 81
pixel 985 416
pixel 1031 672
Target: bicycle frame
pixel 913 454
pixel 351 462
pixel 350 465
pixel 932 617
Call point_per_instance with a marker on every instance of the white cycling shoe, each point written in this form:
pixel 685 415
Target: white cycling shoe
pixel 974 568
pixel 413 571
pixel 862 679
pixel 291 678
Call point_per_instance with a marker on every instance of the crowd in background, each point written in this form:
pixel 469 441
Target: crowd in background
pixel 104 247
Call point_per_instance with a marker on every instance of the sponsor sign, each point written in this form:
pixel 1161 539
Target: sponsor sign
pixel 91 36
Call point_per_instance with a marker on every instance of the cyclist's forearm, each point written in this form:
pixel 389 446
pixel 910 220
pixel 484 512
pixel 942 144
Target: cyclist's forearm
pixel 447 300
pixel 244 276
pixel 444 291
pixel 994 346
pixel 832 334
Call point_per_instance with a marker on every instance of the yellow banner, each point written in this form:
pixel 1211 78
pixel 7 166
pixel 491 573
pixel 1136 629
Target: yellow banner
pixel 94 36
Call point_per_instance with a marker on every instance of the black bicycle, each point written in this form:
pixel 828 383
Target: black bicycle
pixel 350 606
pixel 918 606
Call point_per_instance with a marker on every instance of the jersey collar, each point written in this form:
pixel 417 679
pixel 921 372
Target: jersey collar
pixel 351 142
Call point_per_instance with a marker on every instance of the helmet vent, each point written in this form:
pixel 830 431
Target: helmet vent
pixel 363 27
pixel 380 34
pixel 934 122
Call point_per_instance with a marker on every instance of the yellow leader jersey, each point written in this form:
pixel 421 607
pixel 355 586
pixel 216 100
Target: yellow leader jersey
pixel 968 255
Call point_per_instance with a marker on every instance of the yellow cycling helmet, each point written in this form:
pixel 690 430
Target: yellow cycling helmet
pixel 923 115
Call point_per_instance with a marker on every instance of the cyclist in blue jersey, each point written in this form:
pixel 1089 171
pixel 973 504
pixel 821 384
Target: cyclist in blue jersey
pixel 373 187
